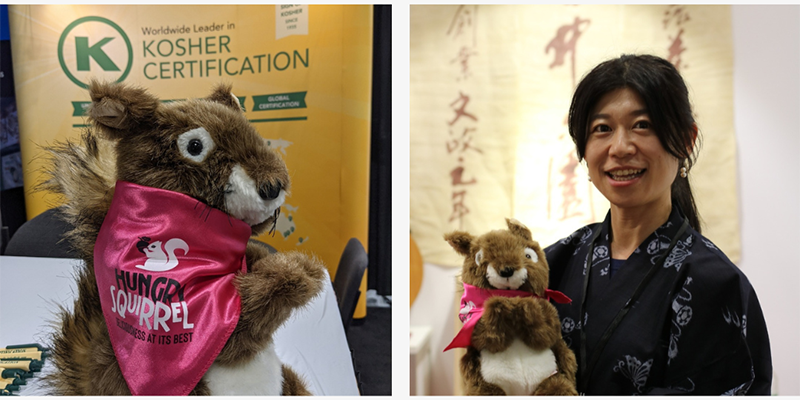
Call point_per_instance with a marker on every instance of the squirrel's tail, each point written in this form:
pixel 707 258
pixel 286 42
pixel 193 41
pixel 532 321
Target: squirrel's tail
pixel 84 174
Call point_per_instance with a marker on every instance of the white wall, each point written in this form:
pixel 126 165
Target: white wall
pixel 767 122
pixel 436 306
pixel 767 119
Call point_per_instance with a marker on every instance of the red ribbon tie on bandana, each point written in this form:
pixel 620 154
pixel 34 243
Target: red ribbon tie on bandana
pixel 472 308
pixel 165 264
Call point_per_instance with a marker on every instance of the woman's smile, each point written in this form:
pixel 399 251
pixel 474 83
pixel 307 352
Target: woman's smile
pixel 625 177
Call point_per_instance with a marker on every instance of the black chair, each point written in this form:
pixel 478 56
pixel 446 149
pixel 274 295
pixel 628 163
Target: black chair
pixel 3 235
pixel 348 277
pixel 269 248
pixel 42 236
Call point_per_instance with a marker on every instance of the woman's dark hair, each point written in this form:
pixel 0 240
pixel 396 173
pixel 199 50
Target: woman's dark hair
pixel 667 100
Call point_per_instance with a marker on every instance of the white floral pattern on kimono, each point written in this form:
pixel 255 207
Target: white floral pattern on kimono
pixel 683 315
pixel 679 253
pixel 635 370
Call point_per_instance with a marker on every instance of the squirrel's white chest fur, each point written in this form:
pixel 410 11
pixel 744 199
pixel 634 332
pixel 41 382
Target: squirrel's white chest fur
pixel 262 376
pixel 518 370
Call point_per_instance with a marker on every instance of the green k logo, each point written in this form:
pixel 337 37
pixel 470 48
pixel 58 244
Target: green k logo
pixel 83 51
pixel 96 45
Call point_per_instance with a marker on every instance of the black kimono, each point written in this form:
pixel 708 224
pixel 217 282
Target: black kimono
pixel 695 326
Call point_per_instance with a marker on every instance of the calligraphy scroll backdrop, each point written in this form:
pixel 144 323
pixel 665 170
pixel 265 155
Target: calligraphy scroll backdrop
pixel 490 92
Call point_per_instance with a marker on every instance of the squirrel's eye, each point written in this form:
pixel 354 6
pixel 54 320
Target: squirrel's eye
pixel 195 147
pixel 531 254
pixel 195 144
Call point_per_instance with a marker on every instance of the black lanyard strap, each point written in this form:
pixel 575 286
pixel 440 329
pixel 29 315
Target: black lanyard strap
pixel 586 369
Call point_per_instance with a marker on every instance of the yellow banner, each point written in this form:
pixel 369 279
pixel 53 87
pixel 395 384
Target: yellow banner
pixel 490 90
pixel 303 74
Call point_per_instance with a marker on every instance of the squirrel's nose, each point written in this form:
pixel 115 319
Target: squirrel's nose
pixel 506 272
pixel 269 192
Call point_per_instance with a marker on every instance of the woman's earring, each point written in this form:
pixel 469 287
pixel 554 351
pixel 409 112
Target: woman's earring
pixel 685 169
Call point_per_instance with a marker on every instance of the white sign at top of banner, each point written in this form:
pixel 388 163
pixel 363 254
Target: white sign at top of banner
pixel 290 19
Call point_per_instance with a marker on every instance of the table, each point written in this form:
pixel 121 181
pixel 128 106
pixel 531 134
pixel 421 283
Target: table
pixel 312 341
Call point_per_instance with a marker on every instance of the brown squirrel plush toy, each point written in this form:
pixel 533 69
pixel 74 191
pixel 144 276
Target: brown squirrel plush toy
pixel 511 331
pixel 172 298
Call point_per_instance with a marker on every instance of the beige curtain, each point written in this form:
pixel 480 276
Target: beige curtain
pixel 490 91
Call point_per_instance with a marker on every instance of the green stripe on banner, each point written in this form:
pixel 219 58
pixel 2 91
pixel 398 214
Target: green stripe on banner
pixel 80 126
pixel 279 101
pixel 278 119
pixel 79 108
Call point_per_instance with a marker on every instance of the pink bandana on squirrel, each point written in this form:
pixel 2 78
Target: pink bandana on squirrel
pixel 472 308
pixel 165 265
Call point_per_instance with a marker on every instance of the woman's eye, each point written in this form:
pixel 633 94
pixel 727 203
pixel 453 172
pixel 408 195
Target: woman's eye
pixel 642 125
pixel 601 128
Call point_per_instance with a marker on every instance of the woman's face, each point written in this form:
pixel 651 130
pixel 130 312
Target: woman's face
pixel 626 161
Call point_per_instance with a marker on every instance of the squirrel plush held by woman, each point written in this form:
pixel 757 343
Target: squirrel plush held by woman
pixel 511 331
pixel 172 298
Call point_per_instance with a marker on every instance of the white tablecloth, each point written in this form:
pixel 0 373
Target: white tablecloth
pixel 312 341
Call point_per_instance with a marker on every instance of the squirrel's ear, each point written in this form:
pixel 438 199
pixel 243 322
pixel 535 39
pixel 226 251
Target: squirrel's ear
pixel 518 229
pixel 222 94
pixel 460 241
pixel 118 109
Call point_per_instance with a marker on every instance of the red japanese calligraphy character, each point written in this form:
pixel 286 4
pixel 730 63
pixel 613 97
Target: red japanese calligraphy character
pixel 675 50
pixel 562 46
pixel 571 202
pixel 463 58
pixel 675 13
pixel 460 111
pixel 459 209
pixel 463 19
pixel 463 142
pixel 457 176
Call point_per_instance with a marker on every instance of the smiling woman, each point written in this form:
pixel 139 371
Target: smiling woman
pixel 628 165
pixel 650 288
pixel 656 96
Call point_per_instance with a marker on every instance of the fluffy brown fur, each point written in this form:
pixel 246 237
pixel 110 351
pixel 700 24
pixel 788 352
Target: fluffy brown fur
pixel 533 320
pixel 134 139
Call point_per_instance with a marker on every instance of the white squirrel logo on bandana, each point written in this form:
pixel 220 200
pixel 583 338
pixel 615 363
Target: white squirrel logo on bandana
pixel 464 314
pixel 161 259
pixel 136 296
